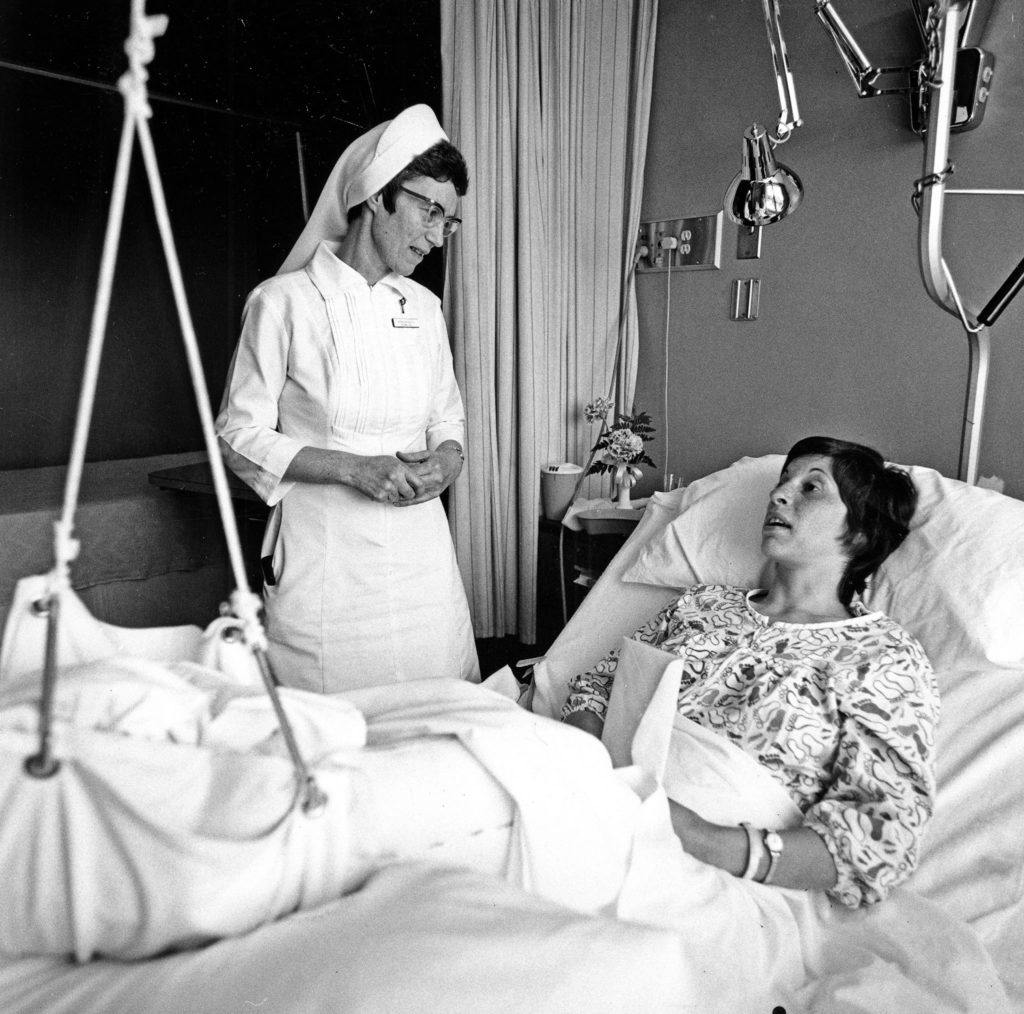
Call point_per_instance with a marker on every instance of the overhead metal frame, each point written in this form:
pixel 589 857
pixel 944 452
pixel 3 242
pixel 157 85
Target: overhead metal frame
pixel 930 197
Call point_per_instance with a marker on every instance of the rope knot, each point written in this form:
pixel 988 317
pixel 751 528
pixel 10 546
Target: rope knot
pixel 246 606
pixel 65 545
pixel 140 50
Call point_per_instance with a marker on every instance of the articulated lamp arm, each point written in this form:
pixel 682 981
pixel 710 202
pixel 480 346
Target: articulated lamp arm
pixel 870 81
pixel 789 115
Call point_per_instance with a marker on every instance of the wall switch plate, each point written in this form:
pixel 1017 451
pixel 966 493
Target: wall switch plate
pixel 748 242
pixel 746 298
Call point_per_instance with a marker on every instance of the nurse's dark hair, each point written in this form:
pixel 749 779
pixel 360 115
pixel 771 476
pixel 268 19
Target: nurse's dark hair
pixel 879 498
pixel 442 162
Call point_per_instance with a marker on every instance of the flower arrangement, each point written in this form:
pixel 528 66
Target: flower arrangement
pixel 598 409
pixel 620 447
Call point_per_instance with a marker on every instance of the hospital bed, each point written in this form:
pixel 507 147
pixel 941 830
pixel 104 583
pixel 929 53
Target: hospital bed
pixel 957 584
pixel 471 855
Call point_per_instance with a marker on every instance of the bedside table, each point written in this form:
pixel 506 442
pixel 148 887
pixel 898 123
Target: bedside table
pixel 610 520
pixel 570 561
pixel 605 530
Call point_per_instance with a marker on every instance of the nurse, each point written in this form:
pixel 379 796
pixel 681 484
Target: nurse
pixel 342 412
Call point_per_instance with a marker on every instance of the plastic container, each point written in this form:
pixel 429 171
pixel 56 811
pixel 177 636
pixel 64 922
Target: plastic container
pixel 557 485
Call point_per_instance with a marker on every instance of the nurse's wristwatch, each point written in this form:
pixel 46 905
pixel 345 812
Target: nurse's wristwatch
pixel 759 844
pixel 454 445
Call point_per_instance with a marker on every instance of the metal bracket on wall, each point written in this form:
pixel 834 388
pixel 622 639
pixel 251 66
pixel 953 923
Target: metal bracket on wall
pixel 746 297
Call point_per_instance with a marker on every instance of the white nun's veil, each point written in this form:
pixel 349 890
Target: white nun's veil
pixel 365 166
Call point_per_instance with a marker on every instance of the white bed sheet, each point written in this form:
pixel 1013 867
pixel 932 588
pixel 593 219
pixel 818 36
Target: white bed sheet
pixel 430 937
pixel 604 847
pixel 415 938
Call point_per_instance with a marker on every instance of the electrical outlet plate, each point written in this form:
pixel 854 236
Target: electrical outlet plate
pixel 699 244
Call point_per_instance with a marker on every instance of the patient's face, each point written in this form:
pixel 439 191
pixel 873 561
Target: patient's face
pixel 806 517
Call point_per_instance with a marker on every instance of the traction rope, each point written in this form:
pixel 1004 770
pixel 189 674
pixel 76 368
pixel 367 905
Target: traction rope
pixel 243 602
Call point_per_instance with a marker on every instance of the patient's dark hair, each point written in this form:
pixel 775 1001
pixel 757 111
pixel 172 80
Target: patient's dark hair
pixel 441 162
pixel 879 499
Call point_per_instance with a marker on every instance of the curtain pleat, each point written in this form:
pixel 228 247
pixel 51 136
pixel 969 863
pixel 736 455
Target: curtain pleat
pixel 549 101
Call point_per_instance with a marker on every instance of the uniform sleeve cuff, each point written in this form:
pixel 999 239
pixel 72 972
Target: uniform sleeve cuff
pixel 439 434
pixel 271 484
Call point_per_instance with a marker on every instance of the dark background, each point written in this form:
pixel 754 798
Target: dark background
pixel 230 86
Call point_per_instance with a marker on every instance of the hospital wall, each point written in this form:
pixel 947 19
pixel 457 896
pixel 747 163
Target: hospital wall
pixel 229 93
pixel 847 341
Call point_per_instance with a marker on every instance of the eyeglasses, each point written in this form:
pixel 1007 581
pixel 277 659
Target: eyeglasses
pixel 433 214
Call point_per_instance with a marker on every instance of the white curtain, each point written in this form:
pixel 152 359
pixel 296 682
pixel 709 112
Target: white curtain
pixel 549 102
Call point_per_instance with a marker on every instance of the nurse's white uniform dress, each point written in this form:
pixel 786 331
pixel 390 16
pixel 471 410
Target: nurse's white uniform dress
pixel 366 593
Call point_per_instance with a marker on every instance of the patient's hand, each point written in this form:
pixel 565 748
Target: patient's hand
pixel 588 721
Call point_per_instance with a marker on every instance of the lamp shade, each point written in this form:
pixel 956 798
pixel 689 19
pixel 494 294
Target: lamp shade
pixel 763 191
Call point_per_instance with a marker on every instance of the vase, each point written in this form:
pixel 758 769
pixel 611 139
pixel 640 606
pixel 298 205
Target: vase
pixel 622 496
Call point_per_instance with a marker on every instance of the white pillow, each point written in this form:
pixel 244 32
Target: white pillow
pixel 638 676
pixel 957 583
pixel 716 538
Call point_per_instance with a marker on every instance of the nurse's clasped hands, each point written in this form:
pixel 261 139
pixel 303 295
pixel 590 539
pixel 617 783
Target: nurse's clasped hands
pixel 436 470
pixel 402 479
pixel 386 479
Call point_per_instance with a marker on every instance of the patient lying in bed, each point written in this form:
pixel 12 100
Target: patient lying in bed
pixel 839 704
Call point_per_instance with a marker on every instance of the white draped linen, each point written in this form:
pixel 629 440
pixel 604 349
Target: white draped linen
pixel 577 833
pixel 549 102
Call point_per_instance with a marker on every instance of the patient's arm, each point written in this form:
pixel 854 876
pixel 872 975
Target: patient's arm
pixel 588 721
pixel 805 863
pixel 590 691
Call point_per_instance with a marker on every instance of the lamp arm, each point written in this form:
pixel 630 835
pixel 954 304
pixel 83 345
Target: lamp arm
pixel 789 115
pixel 870 81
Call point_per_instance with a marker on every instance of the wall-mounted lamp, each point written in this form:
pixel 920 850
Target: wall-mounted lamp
pixel 764 191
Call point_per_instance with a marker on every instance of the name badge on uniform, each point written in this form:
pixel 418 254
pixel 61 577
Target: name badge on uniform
pixel 405 322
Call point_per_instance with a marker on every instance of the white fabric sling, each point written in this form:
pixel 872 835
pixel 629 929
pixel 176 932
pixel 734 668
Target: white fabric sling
pixel 244 605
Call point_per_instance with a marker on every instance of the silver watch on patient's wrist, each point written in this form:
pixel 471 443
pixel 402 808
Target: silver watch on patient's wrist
pixel 774 844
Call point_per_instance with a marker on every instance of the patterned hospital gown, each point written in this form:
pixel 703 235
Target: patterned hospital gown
pixel 842 713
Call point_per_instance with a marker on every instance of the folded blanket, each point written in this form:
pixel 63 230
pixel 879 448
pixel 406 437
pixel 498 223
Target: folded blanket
pixel 172 819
